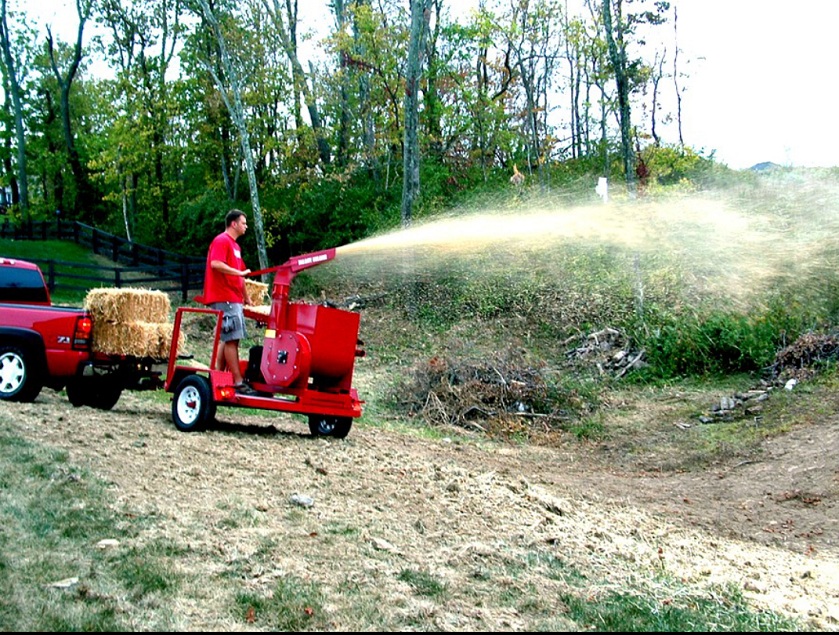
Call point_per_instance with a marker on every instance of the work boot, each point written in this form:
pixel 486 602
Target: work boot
pixel 244 389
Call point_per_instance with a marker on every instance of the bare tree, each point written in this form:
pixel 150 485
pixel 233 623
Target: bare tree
pixel 231 94
pixel 657 76
pixel 286 25
pixel 535 42
pixel 676 76
pixel 420 17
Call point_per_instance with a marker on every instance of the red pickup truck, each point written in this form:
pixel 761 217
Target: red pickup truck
pixel 46 345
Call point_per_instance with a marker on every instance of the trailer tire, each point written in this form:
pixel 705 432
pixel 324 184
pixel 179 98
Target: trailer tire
pixel 323 426
pixel 192 404
pixel 19 380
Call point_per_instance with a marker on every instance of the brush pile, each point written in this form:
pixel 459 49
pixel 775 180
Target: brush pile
pixel 800 360
pixel 131 322
pixel 609 351
pixel 505 397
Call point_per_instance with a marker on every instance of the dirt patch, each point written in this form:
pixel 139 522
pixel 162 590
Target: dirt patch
pixel 461 508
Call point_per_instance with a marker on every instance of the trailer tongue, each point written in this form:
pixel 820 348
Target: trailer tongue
pixel 303 366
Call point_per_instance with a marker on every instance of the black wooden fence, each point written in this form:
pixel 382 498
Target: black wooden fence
pixel 134 264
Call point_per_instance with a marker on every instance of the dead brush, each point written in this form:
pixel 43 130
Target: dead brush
pixel 800 359
pixel 505 397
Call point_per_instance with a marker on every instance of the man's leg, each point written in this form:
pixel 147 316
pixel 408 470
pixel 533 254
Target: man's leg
pixel 231 359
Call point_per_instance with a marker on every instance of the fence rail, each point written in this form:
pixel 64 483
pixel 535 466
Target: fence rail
pixel 142 265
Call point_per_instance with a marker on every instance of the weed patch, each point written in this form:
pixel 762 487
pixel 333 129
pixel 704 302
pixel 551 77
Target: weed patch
pixel 293 605
pixel 628 612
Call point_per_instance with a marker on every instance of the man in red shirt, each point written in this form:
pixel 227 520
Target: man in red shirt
pixel 224 290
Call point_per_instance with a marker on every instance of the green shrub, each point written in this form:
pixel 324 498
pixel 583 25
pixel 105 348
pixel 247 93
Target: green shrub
pixel 715 342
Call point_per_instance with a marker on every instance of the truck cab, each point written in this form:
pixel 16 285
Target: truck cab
pixel 22 282
pixel 40 344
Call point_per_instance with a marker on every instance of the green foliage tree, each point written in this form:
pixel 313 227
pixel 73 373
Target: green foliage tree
pixel 13 75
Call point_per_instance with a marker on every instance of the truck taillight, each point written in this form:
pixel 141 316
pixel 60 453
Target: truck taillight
pixel 84 331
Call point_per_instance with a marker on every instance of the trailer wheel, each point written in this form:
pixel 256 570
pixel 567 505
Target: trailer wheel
pixel 18 377
pixel 192 404
pixel 323 426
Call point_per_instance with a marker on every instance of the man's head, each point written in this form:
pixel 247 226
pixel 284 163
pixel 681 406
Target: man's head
pixel 236 222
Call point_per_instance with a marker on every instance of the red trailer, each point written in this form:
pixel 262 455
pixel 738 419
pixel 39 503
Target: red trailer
pixel 304 365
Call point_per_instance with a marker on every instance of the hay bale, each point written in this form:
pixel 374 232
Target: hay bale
pixel 136 339
pixel 261 309
pixel 256 292
pixel 127 305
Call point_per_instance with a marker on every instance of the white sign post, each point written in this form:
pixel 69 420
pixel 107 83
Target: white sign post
pixel 602 188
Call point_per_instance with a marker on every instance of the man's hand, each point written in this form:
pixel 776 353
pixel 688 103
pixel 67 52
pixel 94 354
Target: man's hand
pixel 227 269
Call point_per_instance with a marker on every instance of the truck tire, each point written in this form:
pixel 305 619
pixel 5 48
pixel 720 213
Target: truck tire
pixel 101 393
pixel 323 426
pixel 19 379
pixel 192 404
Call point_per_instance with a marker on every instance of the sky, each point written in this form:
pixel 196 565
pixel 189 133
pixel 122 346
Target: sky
pixel 760 78
pixel 765 88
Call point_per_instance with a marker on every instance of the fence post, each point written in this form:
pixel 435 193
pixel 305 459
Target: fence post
pixel 117 278
pixel 94 241
pixel 51 275
pixel 76 230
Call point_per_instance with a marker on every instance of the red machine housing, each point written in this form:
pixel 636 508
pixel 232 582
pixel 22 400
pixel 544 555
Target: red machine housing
pixel 306 346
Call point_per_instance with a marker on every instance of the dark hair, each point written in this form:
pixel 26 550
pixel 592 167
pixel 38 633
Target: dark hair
pixel 232 216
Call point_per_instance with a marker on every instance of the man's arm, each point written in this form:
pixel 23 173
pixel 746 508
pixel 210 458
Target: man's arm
pixel 218 265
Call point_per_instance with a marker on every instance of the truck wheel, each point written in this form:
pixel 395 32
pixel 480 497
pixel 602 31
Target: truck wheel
pixel 192 404
pixel 101 393
pixel 323 426
pixel 18 380
pixel 105 395
pixel 76 392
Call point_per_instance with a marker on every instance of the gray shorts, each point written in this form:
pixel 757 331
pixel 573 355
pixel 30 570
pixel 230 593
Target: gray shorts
pixel 232 320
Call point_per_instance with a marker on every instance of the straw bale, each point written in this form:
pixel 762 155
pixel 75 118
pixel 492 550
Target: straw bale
pixel 137 339
pixel 256 292
pixel 262 309
pixel 127 305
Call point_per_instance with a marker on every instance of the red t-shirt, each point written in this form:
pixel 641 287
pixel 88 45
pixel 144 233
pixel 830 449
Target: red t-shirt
pixel 218 286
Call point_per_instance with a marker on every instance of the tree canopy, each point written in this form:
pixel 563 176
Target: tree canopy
pixel 162 114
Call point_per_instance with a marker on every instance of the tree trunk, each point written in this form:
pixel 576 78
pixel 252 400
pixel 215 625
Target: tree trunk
pixel 344 116
pixel 420 16
pixel 237 113
pixel 10 64
pixel 433 107
pixel 85 200
pixel 288 37
pixel 676 76
pixel 617 54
